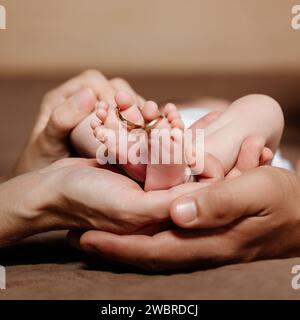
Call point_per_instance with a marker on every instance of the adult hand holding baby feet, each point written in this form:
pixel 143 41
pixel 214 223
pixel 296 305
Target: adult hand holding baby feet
pixel 125 138
pixel 231 142
pixel 76 193
pixel 63 109
pixel 253 217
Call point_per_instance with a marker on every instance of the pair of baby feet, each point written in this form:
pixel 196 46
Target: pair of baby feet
pixel 115 139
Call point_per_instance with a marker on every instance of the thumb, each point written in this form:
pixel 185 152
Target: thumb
pixel 69 114
pixel 227 201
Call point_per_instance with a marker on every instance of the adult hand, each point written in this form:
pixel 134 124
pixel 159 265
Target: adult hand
pixel 254 216
pixel 61 111
pixel 77 194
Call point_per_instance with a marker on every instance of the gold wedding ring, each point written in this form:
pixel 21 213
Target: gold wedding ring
pixel 131 126
pixel 152 124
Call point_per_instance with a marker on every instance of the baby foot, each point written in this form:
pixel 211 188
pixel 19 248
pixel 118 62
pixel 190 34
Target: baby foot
pixel 164 141
pixel 114 137
pixel 158 175
pixel 128 148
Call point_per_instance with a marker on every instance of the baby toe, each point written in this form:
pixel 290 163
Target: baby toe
pixel 177 123
pixel 123 100
pixel 102 105
pixel 101 114
pixel 150 111
pixel 95 123
pixel 266 156
pixel 100 134
pixel 172 115
pixel 169 107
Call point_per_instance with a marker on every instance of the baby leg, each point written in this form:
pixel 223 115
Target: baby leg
pixel 252 115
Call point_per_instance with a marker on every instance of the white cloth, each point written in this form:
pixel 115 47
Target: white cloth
pixel 190 115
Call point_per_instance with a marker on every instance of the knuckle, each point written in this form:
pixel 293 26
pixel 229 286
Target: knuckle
pixel 92 74
pixel 220 200
pixel 57 122
pixel 98 83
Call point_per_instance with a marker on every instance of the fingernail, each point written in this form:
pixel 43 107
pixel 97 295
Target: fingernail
pixel 186 210
pixel 83 98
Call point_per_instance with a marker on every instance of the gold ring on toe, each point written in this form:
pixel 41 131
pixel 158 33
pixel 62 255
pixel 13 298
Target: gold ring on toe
pixel 152 124
pixel 131 126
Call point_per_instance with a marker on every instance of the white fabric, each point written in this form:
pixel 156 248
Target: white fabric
pixel 190 115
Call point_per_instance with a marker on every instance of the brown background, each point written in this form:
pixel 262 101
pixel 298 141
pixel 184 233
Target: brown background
pixel 140 36
pixel 168 49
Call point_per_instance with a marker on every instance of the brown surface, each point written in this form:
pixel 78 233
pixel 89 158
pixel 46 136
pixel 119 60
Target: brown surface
pixel 46 267
pixel 148 36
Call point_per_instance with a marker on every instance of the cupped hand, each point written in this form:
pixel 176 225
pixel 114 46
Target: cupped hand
pixel 76 194
pixel 102 198
pixel 61 111
pixel 254 216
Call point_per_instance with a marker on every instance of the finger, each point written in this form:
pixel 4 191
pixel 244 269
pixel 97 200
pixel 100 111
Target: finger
pixel 135 208
pixel 153 206
pixel 213 168
pixel 92 79
pixel 68 115
pixel 266 156
pixel 67 162
pixel 227 201
pixel 249 156
pixel 192 248
pixel 120 84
